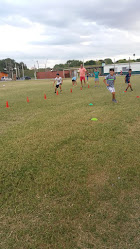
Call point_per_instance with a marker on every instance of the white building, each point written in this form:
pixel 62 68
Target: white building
pixel 124 67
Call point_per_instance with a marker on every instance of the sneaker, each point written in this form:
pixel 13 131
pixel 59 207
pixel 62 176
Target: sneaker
pixel 132 90
pixel 114 100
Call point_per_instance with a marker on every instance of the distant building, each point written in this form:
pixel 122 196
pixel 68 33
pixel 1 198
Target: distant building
pixel 124 67
pixel 52 74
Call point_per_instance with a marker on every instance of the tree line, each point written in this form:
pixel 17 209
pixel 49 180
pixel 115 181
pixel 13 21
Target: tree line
pixel 8 65
pixel 77 63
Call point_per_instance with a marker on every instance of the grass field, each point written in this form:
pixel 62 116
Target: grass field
pixel 68 182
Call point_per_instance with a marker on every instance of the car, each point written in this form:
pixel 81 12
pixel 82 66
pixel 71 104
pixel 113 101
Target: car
pixel 5 78
pixel 25 78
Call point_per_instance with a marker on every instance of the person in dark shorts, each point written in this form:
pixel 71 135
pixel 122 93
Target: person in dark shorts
pixel 74 82
pixel 96 75
pixel 127 80
pixel 59 82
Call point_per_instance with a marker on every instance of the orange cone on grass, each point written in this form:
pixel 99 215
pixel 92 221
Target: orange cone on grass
pixel 7 105
pixel 57 93
pixel 45 97
pixel 71 90
pixel 28 100
pixel 88 86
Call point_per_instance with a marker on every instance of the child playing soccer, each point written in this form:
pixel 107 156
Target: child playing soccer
pixel 127 80
pixel 96 75
pixel 59 82
pixel 74 82
pixel 109 81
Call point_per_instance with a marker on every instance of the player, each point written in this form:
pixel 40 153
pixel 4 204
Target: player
pixel 110 81
pixel 74 82
pixel 82 74
pixel 59 81
pixel 127 80
pixel 96 75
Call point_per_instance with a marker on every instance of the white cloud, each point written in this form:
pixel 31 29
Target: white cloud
pixel 62 30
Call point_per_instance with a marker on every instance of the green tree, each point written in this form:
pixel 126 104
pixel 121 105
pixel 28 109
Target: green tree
pixel 73 63
pixel 20 65
pixel 108 61
pixel 29 73
pixel 90 62
pixel 9 64
pixel 99 62
pixel 122 61
pixel 2 65
pixel 59 67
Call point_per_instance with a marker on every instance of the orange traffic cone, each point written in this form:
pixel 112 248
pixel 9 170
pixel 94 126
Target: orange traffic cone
pixel 45 96
pixel 7 105
pixel 88 86
pixel 27 100
pixel 71 90
pixel 57 93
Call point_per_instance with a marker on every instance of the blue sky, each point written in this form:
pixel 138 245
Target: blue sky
pixel 56 31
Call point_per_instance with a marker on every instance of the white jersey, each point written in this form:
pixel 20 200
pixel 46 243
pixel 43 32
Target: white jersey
pixel 59 81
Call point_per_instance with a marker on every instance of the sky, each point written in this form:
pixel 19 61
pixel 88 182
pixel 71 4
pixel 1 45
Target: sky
pixel 53 32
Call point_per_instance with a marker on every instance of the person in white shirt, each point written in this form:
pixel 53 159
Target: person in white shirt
pixel 58 80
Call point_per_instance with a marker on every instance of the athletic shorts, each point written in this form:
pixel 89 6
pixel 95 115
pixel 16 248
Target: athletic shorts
pixel 57 86
pixel 96 79
pixel 111 89
pixel 128 82
pixel 82 78
pixel 73 80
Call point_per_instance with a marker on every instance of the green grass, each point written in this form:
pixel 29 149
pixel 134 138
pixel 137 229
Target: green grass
pixel 68 182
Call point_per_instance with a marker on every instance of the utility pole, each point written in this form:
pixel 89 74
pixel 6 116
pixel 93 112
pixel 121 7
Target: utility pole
pixel 16 70
pixel 34 72
pixel 12 74
pixel 38 65
pixel 22 71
